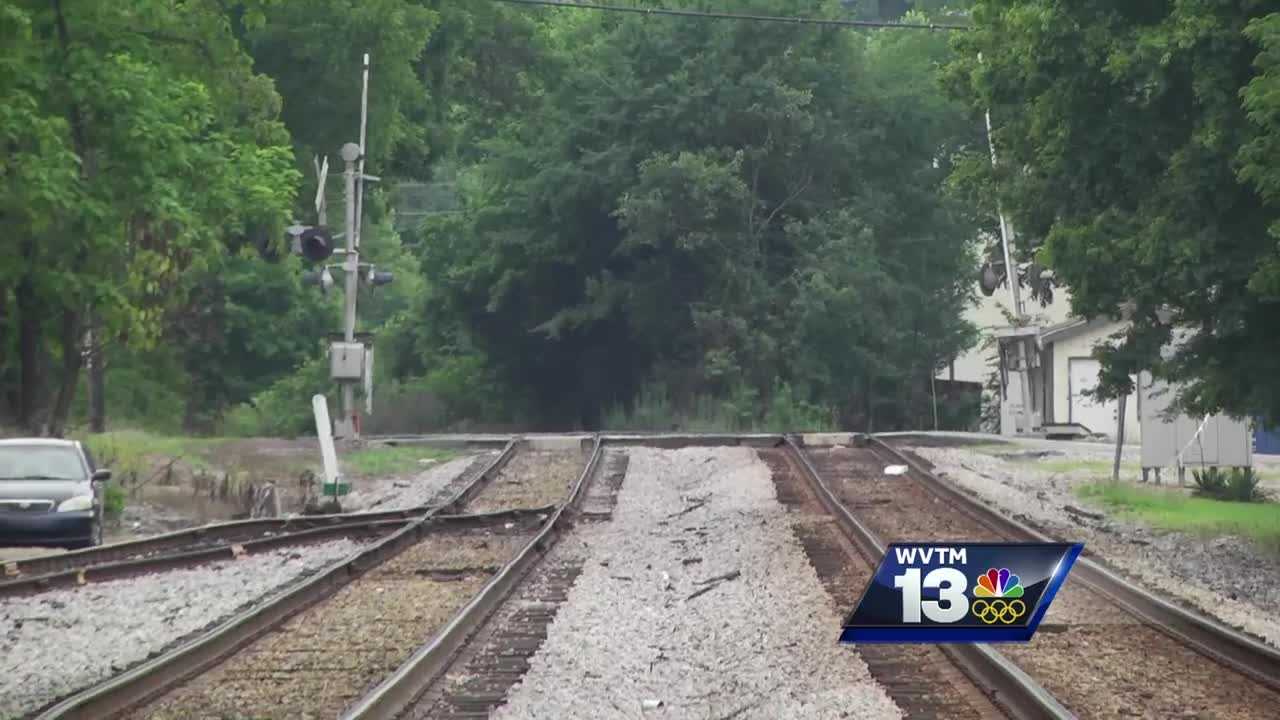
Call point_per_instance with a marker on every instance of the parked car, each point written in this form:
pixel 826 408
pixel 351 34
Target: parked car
pixel 50 494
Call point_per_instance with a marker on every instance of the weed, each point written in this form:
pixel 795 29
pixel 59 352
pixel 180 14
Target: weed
pixel 113 499
pixel 1172 509
pixel 653 410
pixel 130 452
pixel 1242 486
pixel 390 460
pixel 1209 482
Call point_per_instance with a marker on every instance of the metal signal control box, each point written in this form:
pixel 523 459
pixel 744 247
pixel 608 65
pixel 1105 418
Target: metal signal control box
pixel 346 361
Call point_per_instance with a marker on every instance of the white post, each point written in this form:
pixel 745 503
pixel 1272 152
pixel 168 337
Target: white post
pixel 320 407
pixel 351 266
pixel 364 124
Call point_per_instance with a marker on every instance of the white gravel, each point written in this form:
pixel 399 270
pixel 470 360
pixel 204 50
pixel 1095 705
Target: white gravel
pixel 412 492
pixel 1228 578
pixel 61 641
pixel 762 645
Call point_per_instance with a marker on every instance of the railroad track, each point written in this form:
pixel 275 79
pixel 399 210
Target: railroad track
pixel 440 618
pixel 1107 648
pixel 468 670
pixel 189 548
pixel 189 539
pixel 209 543
pixel 319 646
pixel 924 680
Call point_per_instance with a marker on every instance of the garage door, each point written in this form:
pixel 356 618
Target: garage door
pixel 1099 417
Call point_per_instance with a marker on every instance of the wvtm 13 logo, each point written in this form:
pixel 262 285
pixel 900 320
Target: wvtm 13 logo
pixel 970 592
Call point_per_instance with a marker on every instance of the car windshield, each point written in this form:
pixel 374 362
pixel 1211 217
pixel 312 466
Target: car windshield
pixel 36 462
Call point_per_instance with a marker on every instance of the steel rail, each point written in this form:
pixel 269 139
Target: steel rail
pixel 152 678
pixel 1012 689
pixel 478 441
pixel 103 572
pixel 1211 638
pixel 673 441
pixel 430 662
pixel 227 532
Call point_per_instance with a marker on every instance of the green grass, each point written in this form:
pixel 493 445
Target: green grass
pixel 1100 468
pixel 128 451
pixel 130 454
pixel 113 500
pixel 390 460
pixel 1175 510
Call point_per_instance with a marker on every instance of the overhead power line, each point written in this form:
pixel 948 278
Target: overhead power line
pixel 701 15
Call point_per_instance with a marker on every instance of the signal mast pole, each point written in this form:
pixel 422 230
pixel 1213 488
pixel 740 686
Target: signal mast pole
pixel 351 269
pixel 351 361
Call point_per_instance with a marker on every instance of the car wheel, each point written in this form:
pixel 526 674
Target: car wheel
pixel 95 538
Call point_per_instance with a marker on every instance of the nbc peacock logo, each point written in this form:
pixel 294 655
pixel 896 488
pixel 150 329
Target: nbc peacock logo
pixel 998 596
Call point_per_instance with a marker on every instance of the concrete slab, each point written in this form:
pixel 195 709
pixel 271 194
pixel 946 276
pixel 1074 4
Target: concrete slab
pixel 558 442
pixel 828 439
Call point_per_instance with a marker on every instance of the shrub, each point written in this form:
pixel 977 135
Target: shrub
pixel 788 413
pixel 113 497
pixel 1242 486
pixel 1209 482
pixel 652 409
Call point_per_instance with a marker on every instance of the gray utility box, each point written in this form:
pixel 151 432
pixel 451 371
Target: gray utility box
pixel 1225 441
pixel 346 361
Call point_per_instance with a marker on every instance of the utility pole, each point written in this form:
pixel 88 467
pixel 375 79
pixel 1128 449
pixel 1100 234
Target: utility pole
pixel 1025 422
pixel 1006 242
pixel 350 359
pixel 351 154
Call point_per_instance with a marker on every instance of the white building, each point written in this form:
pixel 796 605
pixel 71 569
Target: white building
pixel 1072 371
pixel 1062 368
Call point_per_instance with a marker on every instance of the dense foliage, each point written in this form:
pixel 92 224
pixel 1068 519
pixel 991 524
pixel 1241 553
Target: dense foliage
pixel 1141 143
pixel 737 216
pixel 714 208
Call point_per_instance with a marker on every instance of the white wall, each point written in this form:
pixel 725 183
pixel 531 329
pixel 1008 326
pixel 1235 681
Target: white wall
pixel 1081 346
pixel 976 365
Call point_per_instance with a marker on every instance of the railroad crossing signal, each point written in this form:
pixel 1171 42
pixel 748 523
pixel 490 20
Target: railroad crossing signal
pixel 311 241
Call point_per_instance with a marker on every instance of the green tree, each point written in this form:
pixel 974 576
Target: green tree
pixel 1137 144
pixel 165 166
pixel 313 51
pixel 645 222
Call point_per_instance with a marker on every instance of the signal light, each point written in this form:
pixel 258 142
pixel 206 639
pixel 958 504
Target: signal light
pixel 377 278
pixel 313 243
pixel 322 278
pixel 990 279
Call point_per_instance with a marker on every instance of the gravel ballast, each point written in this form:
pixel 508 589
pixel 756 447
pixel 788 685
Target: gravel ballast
pixel 413 492
pixel 696 596
pixel 322 659
pixel 533 479
pixel 61 641
pixel 1227 578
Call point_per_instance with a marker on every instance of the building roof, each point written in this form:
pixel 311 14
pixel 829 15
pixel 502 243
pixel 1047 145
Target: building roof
pixel 1079 326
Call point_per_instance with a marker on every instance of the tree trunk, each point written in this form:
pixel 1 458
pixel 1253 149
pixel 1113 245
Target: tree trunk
pixel 4 322
pixel 8 402
pixel 97 381
pixel 29 380
pixel 72 359
pixel 871 405
pixel 191 411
